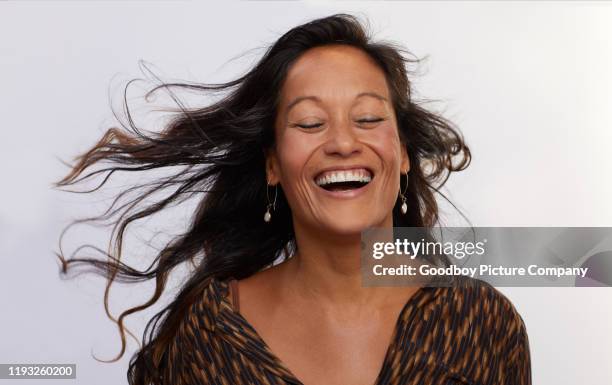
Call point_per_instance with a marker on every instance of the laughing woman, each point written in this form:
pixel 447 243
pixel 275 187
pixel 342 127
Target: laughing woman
pixel 319 141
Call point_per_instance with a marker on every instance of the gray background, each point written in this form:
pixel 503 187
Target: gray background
pixel 528 83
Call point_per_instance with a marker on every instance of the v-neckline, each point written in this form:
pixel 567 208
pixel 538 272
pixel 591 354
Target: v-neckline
pixel 237 321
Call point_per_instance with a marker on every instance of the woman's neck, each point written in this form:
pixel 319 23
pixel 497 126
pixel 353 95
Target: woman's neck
pixel 327 268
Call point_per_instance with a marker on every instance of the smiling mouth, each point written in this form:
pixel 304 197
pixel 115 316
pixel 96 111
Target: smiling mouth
pixel 344 180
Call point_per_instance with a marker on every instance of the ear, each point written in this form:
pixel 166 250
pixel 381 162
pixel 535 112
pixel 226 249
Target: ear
pixel 272 167
pixel 405 162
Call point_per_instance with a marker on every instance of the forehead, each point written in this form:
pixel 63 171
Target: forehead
pixel 334 69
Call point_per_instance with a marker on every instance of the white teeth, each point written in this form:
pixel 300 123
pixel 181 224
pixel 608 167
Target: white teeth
pixel 355 175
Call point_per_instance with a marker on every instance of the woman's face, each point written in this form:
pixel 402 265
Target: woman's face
pixel 338 155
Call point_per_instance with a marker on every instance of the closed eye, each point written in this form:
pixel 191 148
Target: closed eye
pixel 360 121
pixel 373 120
pixel 307 126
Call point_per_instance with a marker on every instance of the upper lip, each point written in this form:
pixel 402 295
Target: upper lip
pixel 344 167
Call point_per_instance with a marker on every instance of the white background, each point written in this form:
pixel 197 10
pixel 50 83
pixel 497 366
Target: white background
pixel 528 83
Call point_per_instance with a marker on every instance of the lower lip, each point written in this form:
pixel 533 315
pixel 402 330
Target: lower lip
pixel 345 194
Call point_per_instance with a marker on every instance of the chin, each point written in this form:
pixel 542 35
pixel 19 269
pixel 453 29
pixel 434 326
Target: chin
pixel 350 224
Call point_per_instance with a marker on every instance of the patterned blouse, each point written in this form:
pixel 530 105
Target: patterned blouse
pixel 443 336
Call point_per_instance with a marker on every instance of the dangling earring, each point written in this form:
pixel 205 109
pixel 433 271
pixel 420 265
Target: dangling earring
pixel 404 207
pixel 268 215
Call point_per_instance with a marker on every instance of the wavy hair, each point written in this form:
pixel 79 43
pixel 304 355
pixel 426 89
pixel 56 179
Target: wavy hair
pixel 220 149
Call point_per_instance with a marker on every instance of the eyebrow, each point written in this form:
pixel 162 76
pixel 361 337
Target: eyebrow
pixel 316 99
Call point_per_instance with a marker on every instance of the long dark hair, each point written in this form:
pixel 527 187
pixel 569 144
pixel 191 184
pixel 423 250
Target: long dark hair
pixel 220 150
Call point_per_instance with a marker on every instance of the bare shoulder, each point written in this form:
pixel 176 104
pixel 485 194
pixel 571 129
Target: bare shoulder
pixel 258 292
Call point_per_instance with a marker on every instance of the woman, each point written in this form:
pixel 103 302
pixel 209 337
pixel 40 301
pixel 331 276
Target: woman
pixel 319 141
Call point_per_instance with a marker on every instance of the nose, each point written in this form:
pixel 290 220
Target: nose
pixel 342 139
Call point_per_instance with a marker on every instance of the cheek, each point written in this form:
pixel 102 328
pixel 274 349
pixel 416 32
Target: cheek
pixel 384 140
pixel 294 152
